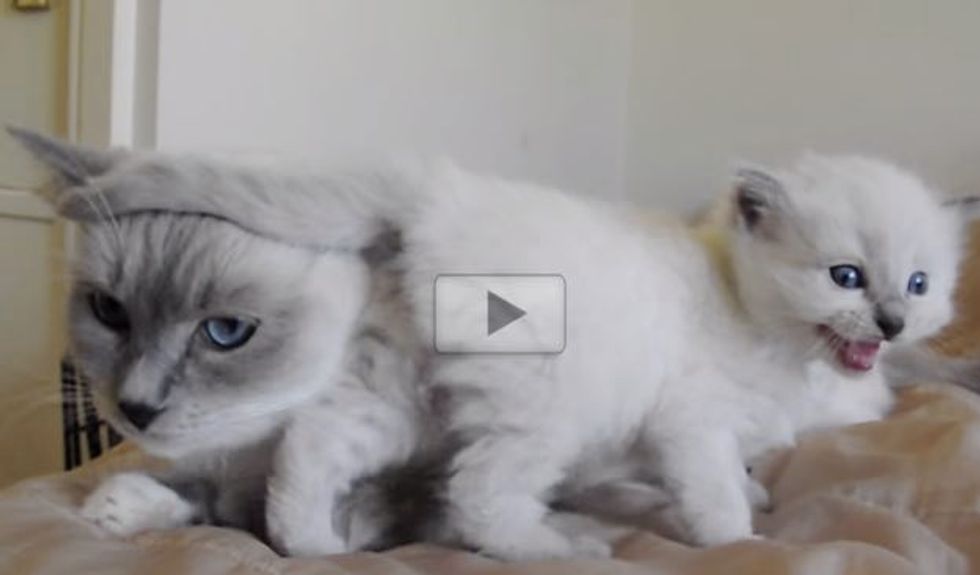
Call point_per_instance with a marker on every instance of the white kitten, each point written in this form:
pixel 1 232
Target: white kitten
pixel 682 363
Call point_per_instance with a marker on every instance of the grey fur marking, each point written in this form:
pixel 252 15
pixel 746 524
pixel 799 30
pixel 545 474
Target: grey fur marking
pixel 757 194
pixel 341 211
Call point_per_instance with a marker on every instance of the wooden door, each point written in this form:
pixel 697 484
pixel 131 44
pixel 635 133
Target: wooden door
pixel 34 94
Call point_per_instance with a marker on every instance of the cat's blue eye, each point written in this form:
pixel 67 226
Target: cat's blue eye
pixel 918 283
pixel 109 311
pixel 227 333
pixel 847 276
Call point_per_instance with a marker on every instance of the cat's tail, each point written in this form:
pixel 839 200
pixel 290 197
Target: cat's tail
pixel 337 210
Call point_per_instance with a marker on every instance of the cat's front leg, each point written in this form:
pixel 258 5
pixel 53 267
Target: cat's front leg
pixel 325 449
pixel 705 473
pixel 128 503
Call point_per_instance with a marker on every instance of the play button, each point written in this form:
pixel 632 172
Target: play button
pixel 501 313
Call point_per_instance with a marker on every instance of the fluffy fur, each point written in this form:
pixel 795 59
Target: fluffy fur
pixel 682 364
pixel 318 402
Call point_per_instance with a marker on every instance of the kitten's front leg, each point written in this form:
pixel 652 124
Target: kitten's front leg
pixel 133 502
pixel 705 473
pixel 325 449
pixel 497 498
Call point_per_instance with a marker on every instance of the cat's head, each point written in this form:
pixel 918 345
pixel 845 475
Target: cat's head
pixel 195 334
pixel 845 255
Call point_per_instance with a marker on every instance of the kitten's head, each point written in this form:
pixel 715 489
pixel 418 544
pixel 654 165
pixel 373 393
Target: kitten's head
pixel 195 334
pixel 844 255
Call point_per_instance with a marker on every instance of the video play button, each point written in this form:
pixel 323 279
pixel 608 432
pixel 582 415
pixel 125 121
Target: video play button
pixel 500 313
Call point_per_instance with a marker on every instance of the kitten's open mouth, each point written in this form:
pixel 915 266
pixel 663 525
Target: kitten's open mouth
pixel 855 355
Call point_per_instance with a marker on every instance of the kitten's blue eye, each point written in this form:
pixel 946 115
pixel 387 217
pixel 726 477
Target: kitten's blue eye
pixel 109 311
pixel 847 277
pixel 227 333
pixel 918 283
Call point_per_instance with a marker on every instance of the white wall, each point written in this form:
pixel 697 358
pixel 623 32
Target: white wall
pixel 529 88
pixel 654 97
pixel 764 79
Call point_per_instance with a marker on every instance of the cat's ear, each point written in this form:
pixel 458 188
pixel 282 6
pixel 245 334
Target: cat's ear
pixel 967 206
pixel 72 165
pixel 758 197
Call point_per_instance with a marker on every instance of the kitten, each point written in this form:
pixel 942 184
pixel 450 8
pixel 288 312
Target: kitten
pixel 682 364
pixel 233 356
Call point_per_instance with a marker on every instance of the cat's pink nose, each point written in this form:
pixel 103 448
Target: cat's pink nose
pixel 139 414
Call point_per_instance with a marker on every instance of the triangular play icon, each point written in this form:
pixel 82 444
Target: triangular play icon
pixel 501 313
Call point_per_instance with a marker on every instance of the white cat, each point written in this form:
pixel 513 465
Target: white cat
pixel 682 363
pixel 689 377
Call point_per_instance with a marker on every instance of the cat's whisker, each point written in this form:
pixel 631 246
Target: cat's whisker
pixel 100 196
pixel 20 409
pixel 92 184
pixel 24 376
pixel 102 211
pixel 239 416
pixel 820 345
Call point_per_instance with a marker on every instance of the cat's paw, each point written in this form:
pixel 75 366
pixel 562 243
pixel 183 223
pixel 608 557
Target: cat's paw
pixel 590 537
pixel 130 503
pixel 718 518
pixel 588 547
pixel 305 541
pixel 301 529
pixel 721 530
pixel 540 543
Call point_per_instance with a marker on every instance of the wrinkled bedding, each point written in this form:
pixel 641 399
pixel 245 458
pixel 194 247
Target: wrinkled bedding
pixel 895 496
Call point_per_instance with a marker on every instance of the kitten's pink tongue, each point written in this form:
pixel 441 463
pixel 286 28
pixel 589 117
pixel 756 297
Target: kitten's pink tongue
pixel 859 355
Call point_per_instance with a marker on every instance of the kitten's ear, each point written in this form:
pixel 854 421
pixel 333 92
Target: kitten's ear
pixel 758 197
pixel 967 206
pixel 73 165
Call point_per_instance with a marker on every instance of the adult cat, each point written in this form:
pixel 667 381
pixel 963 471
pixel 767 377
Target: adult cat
pixel 231 355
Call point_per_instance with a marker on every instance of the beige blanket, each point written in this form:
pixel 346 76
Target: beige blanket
pixel 896 496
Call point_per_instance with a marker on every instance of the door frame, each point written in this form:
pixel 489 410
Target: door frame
pixel 113 72
pixel 112 79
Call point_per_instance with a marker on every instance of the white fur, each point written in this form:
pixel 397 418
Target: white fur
pixel 321 397
pixel 334 408
pixel 664 364
pixel 130 503
pixel 683 363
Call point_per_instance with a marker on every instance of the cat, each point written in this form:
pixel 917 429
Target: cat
pixel 239 359
pixel 687 356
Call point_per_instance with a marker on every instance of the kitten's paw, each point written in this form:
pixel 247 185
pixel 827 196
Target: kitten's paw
pixel 722 530
pixel 539 543
pixel 300 529
pixel 586 547
pixel 590 537
pixel 716 520
pixel 130 503
pixel 302 543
